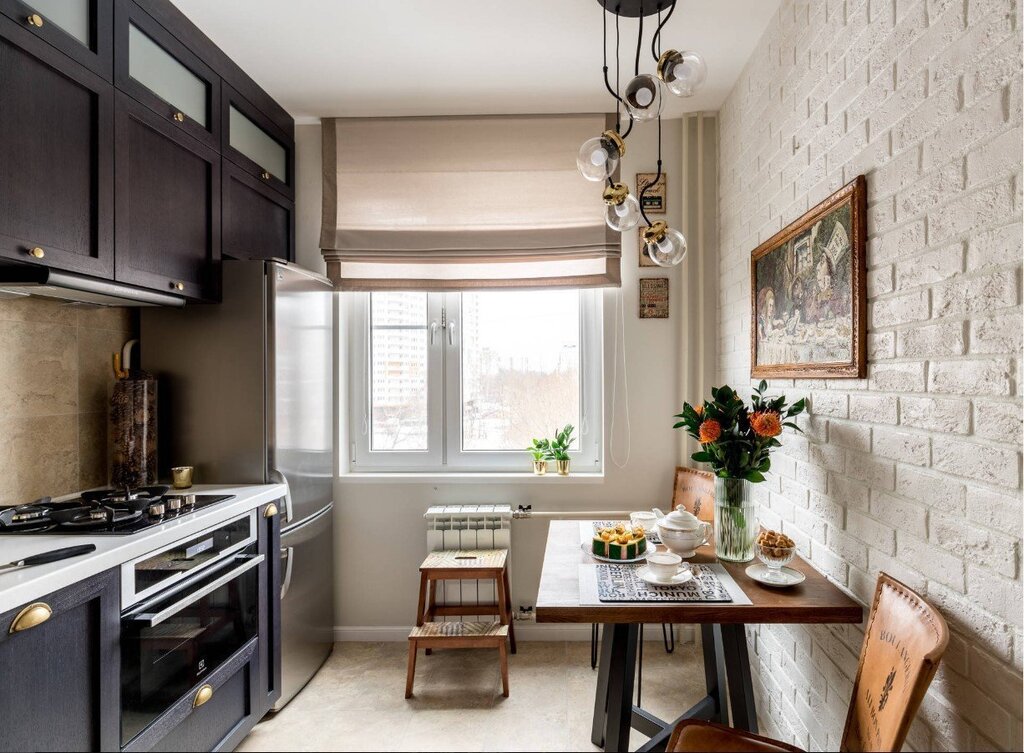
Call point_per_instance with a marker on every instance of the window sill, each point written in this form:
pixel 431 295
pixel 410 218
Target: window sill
pixel 468 478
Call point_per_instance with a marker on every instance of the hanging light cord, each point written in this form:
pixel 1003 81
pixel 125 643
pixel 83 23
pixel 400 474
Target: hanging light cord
pixel 620 328
pixel 656 39
pixel 607 84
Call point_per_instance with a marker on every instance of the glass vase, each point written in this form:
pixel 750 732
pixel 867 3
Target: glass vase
pixel 735 520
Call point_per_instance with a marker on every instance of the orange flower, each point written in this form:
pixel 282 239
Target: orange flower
pixel 699 409
pixel 710 430
pixel 766 424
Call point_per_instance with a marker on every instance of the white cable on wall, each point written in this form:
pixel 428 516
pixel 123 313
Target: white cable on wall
pixel 620 328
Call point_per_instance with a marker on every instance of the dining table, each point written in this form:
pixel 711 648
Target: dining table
pixel 567 596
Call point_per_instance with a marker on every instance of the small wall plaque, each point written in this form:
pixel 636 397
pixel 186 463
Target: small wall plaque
pixel 654 201
pixel 654 298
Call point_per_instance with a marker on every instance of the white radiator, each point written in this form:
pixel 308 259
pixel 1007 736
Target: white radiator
pixel 468 527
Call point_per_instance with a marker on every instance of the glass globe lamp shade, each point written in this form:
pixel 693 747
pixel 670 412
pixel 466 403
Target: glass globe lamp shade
pixel 643 97
pixel 599 157
pixel 683 73
pixel 623 210
pixel 665 246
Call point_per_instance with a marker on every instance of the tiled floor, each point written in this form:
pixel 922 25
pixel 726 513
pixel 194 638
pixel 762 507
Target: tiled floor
pixel 356 701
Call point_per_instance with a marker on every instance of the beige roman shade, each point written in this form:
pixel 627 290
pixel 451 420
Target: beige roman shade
pixel 463 202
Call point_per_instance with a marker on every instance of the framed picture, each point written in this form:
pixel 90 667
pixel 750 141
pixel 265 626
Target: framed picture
pixel 654 298
pixel 654 202
pixel 808 307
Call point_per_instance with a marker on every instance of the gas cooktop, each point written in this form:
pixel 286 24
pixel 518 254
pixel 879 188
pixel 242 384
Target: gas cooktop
pixel 104 512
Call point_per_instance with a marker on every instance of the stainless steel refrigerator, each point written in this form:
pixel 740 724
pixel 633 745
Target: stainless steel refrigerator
pixel 246 391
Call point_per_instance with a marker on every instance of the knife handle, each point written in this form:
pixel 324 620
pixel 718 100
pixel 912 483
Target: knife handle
pixel 58 554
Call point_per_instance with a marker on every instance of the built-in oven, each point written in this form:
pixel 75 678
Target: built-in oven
pixel 196 604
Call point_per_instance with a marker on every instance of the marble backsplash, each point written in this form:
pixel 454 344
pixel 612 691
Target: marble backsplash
pixel 55 383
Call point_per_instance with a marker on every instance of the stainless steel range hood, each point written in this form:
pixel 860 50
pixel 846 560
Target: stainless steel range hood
pixel 26 279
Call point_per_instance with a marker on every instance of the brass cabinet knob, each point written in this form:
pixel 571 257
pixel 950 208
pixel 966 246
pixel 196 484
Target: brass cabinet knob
pixel 36 252
pixel 204 694
pixel 265 175
pixel 179 117
pixel 270 511
pixel 177 285
pixel 35 20
pixel 30 616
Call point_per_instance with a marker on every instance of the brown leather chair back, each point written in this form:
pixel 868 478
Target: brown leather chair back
pixel 695 491
pixel 904 641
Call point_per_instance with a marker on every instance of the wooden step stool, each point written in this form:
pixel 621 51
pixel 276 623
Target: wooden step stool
pixel 462 564
pixel 458 635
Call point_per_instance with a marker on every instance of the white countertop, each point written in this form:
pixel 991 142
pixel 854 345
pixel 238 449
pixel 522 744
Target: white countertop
pixel 26 584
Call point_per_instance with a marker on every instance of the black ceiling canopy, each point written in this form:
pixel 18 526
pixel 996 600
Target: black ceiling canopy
pixel 635 8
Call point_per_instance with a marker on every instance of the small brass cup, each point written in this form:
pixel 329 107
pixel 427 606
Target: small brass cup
pixel 181 477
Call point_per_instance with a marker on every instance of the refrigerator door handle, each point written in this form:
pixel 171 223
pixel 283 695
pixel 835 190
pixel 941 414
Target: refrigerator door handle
pixel 288 555
pixel 276 477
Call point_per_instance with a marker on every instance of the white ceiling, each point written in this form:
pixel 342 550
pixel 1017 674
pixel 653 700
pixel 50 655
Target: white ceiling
pixel 447 57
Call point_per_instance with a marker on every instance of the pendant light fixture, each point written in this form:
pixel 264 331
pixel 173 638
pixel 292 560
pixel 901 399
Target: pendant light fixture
pixel 682 74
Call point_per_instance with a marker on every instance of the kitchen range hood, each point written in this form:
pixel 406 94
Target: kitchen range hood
pixel 25 279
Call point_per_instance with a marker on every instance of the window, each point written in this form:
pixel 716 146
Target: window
pixel 447 382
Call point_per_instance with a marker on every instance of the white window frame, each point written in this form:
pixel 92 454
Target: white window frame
pixel 444 420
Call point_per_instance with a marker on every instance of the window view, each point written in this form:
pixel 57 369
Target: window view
pixel 520 367
pixel 398 381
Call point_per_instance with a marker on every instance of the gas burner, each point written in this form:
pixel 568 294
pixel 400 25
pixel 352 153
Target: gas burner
pixel 137 499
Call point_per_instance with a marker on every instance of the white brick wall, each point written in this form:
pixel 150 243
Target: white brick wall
pixel 915 470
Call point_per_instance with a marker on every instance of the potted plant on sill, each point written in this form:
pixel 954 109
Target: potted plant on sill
pixel 558 449
pixel 736 442
pixel 539 449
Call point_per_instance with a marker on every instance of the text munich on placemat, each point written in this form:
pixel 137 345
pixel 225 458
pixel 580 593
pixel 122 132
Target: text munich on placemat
pixel 621 583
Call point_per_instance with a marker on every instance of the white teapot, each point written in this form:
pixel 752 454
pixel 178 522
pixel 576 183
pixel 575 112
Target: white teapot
pixel 682 531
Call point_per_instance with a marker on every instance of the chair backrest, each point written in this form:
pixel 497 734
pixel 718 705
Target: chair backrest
pixel 903 643
pixel 695 491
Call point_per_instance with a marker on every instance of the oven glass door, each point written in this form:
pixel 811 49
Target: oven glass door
pixel 169 644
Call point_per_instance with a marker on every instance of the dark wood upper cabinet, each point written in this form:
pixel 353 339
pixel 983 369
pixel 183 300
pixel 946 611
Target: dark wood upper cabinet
pixel 56 157
pixel 62 677
pixel 81 29
pixel 159 71
pixel 168 209
pixel 254 142
pixel 259 222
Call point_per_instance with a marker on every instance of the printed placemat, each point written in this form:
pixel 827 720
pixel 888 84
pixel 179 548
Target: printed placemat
pixel 616 583
pixel 652 536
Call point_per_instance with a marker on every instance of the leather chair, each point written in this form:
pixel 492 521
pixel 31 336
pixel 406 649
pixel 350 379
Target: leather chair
pixel 905 639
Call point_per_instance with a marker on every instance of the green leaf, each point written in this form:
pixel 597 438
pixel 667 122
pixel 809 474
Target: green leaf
pixel 755 476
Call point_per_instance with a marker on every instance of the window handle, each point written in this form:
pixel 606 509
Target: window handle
pixel 451 333
pixel 434 326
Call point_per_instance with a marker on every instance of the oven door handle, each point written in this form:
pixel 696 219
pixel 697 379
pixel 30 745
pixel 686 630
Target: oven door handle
pixel 151 619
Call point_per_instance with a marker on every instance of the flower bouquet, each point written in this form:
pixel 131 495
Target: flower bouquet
pixel 737 442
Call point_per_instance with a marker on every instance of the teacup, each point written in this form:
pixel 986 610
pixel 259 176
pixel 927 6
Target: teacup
pixel 644 518
pixel 665 565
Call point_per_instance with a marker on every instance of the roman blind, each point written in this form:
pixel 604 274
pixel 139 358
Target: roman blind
pixel 459 203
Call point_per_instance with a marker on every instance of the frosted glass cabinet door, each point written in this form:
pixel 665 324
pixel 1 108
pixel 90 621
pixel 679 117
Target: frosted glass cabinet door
pixel 256 143
pixel 81 29
pixel 156 69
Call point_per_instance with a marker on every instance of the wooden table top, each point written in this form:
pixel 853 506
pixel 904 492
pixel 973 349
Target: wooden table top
pixel 816 600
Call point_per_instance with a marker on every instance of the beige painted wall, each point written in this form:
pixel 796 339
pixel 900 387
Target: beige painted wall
pixel 55 382
pixel 376 586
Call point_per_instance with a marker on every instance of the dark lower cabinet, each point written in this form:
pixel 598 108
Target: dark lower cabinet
pixel 60 687
pixel 56 158
pixel 259 222
pixel 168 218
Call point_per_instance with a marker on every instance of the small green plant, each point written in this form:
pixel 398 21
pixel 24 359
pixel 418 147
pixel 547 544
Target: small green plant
pixel 539 449
pixel 558 448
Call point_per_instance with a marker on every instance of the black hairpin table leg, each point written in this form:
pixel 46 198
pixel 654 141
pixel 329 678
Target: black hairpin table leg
pixel 741 687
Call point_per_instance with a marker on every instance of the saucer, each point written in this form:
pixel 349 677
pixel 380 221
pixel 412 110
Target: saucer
pixel 790 576
pixel 644 573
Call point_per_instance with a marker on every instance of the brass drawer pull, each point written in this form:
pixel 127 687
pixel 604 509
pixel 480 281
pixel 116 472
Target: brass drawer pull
pixel 270 511
pixel 35 20
pixel 204 694
pixel 36 252
pixel 177 285
pixel 265 175
pixel 31 616
pixel 179 117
